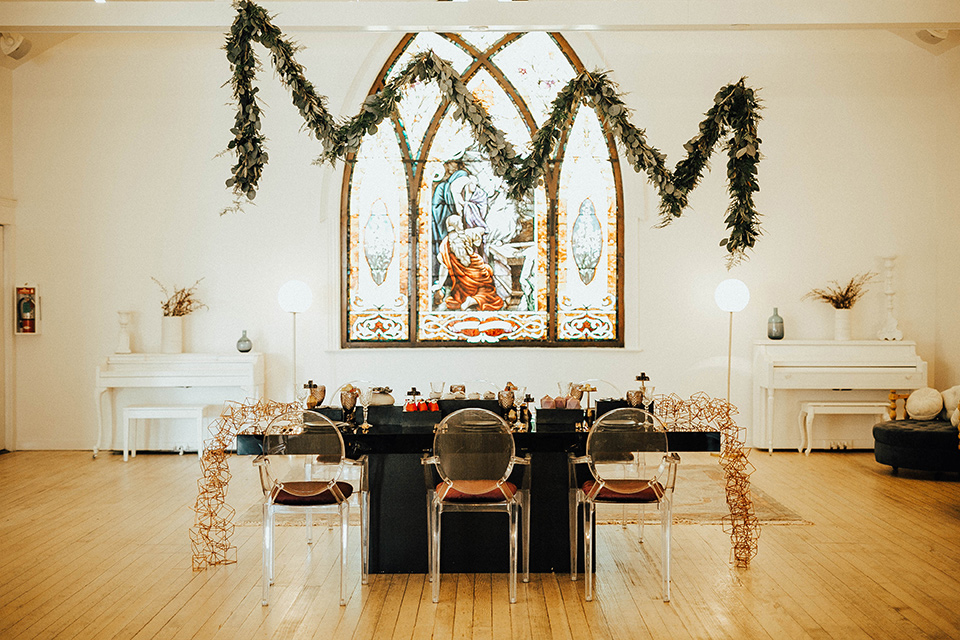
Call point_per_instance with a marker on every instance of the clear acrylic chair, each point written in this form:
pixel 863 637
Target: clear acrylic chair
pixel 629 463
pixel 474 456
pixel 301 471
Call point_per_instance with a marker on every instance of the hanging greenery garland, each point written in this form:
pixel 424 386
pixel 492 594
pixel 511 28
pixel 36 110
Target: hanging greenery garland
pixel 735 113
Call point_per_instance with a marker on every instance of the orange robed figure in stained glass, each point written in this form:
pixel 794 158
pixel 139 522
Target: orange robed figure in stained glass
pixel 471 277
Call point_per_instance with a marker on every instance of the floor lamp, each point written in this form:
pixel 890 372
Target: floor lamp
pixel 731 295
pixel 295 297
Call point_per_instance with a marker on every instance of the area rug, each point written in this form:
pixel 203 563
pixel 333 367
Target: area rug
pixel 698 499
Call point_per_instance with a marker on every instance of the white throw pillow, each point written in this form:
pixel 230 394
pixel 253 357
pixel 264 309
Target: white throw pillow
pixel 950 399
pixel 955 418
pixel 924 404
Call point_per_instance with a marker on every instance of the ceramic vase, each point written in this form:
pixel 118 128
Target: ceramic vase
pixel 244 344
pixel 775 326
pixel 841 326
pixel 171 334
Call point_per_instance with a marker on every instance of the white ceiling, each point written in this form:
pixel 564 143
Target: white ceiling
pixel 47 22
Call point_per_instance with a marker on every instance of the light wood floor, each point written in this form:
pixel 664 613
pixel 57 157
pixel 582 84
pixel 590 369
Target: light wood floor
pixel 100 549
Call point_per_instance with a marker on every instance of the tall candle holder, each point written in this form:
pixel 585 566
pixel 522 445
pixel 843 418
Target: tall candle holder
pixel 889 330
pixel 123 340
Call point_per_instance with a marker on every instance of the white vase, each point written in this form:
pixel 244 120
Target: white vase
pixel 171 334
pixel 841 326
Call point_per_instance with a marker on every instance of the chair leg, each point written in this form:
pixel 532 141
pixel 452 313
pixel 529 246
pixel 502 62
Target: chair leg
pixel 267 553
pixel 641 520
pixel 365 537
pixel 589 515
pixel 574 503
pixel 435 555
pixel 344 537
pixel 666 521
pixel 513 552
pixel 526 536
pixel 430 536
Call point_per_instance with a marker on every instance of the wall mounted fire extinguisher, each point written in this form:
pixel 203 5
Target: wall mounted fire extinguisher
pixel 27 311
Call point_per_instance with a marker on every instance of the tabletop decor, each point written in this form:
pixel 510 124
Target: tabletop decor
pixel 842 299
pixel 733 117
pixel 179 303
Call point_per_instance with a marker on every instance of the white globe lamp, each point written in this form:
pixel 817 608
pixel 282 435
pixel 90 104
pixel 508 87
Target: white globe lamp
pixel 732 295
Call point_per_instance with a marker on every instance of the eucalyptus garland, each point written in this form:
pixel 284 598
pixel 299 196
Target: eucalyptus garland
pixel 735 113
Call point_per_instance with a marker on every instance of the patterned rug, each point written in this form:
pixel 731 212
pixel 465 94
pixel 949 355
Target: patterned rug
pixel 697 499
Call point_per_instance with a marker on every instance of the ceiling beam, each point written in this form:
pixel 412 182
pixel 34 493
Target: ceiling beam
pixel 553 15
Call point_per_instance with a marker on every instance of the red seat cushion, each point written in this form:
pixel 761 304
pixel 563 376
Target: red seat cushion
pixel 625 491
pixel 307 493
pixel 492 495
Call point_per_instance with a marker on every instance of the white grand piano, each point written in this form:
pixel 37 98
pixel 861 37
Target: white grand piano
pixel 824 365
pixel 242 374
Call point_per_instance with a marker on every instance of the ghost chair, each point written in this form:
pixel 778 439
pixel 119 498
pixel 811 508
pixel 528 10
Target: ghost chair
pixel 301 471
pixel 629 463
pixel 474 457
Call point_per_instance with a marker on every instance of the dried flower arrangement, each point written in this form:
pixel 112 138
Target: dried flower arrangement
pixel 842 297
pixel 182 301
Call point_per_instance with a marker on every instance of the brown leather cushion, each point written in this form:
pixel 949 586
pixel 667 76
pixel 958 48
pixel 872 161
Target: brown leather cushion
pixel 306 494
pixel 493 495
pixel 625 491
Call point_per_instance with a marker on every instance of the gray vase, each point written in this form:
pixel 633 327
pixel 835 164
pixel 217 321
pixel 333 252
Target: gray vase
pixel 775 326
pixel 243 344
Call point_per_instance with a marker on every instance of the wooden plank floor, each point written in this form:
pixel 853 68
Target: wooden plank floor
pixel 100 549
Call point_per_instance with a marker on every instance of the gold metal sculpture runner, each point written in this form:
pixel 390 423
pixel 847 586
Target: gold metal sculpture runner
pixel 703 413
pixel 213 526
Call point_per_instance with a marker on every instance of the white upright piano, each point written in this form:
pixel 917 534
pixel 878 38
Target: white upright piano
pixel 241 373
pixel 824 365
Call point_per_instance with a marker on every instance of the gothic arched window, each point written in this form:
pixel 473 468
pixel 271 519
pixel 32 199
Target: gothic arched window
pixel 436 254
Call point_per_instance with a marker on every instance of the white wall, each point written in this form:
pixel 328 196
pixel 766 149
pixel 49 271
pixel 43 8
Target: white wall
pixel 6 213
pixel 116 179
pixel 948 239
pixel 6 133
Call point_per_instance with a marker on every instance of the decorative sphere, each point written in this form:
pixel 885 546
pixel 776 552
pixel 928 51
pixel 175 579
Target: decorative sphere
pixel 924 404
pixel 295 297
pixel 732 295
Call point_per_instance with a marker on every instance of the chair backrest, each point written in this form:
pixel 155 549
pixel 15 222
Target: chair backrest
pixel 298 446
pixel 474 450
pixel 626 443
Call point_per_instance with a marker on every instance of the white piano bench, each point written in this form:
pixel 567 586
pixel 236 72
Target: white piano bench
pixel 808 410
pixel 157 412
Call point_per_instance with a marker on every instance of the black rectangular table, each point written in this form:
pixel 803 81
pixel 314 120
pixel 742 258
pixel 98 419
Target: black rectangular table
pixel 471 542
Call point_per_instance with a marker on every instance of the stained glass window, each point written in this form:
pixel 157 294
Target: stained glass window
pixel 438 254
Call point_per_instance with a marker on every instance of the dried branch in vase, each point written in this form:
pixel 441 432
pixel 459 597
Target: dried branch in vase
pixel 182 301
pixel 842 297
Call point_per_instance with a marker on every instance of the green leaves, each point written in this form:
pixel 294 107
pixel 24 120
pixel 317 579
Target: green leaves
pixel 735 110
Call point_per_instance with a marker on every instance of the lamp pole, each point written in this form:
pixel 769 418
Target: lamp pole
pixel 295 297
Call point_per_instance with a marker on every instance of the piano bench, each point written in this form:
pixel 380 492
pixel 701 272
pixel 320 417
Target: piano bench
pixel 810 409
pixel 158 412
